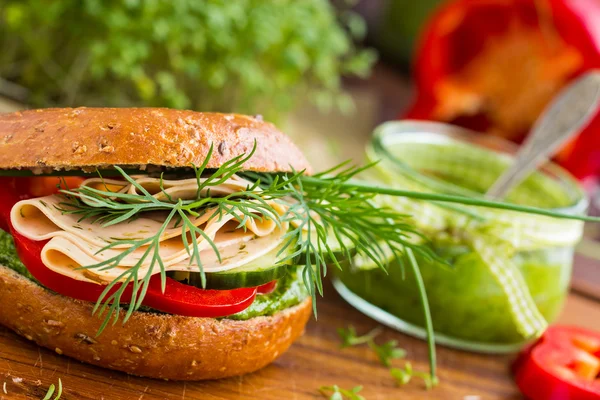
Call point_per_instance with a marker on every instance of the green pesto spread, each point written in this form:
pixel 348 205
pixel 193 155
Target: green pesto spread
pixel 289 292
pixel 9 257
pixel 466 300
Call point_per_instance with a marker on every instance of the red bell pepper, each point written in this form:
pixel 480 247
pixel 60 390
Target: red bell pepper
pixel 493 65
pixel 564 364
pixel 267 287
pixel 177 298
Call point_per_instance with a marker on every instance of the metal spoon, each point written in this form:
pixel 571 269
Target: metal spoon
pixel 566 115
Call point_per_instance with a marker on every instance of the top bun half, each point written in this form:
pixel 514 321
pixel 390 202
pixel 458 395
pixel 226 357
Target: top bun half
pixel 57 139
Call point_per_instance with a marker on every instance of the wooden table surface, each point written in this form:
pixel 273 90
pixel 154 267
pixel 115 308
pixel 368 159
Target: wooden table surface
pixel 314 360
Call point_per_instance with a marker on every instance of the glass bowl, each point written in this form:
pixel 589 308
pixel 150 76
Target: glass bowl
pixel 502 270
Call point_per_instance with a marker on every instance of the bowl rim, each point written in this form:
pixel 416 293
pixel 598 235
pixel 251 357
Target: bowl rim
pixel 417 131
pixel 414 330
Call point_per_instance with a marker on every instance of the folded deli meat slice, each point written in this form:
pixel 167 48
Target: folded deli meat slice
pixel 174 189
pixel 73 243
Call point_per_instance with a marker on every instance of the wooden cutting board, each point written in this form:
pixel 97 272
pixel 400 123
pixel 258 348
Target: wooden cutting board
pixel 313 361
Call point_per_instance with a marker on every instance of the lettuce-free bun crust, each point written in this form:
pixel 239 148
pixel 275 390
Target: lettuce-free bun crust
pixel 46 140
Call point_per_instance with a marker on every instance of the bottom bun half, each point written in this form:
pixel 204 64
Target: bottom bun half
pixel 152 345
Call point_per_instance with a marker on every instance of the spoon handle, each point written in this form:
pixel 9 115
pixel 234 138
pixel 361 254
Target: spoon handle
pixel 566 116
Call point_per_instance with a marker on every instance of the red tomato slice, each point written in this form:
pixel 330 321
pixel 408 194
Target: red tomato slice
pixel 563 364
pixel 177 299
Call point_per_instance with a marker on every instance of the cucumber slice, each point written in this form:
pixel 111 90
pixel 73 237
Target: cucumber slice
pixel 258 272
pixel 336 249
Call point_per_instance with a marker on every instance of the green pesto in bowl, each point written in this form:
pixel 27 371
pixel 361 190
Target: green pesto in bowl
pixel 469 302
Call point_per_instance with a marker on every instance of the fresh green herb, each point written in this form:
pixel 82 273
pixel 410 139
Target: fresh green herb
pixel 341 394
pixel 247 56
pixel 52 389
pixel 316 212
pixel 426 314
pixel 111 208
pixel 349 337
pixel 363 187
pixel 355 186
pixel 332 209
pixel 390 351
pixel 387 352
pixel 404 376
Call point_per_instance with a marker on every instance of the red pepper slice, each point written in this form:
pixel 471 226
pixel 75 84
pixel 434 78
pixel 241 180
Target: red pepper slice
pixel 177 299
pixel 182 299
pixel 563 364
pixel 29 252
pixel 493 65
pixel 267 287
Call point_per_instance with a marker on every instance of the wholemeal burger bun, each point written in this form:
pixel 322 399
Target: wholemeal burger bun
pixel 88 138
pixel 152 345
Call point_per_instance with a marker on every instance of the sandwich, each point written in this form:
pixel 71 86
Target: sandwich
pixel 168 244
pixel 182 245
pixel 252 308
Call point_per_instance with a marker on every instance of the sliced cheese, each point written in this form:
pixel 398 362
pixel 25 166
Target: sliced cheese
pixel 74 244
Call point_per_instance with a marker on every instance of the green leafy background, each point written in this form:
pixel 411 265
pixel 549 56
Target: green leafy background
pixel 251 56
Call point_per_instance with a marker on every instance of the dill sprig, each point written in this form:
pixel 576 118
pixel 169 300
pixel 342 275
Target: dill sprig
pixel 110 208
pixel 332 223
pixel 328 224
pixel 427 317
pixel 364 187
